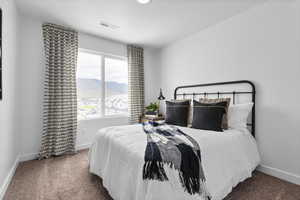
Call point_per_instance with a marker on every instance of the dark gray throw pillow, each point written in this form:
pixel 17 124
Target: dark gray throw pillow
pixel 208 116
pixel 177 112
pixel 218 100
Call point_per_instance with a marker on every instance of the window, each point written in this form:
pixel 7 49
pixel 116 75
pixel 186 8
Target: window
pixel 102 85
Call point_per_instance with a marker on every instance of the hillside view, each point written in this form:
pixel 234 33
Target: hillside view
pixel 92 88
pixel 89 98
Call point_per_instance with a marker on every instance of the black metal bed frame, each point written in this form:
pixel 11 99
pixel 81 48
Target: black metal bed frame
pixel 233 93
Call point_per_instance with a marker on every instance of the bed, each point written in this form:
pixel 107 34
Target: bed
pixel 117 156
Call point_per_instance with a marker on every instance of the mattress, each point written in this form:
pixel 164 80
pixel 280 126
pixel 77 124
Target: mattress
pixel 117 156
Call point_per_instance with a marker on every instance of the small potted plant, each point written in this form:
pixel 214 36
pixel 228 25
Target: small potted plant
pixel 152 110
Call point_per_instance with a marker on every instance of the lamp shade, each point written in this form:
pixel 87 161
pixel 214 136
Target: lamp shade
pixel 161 96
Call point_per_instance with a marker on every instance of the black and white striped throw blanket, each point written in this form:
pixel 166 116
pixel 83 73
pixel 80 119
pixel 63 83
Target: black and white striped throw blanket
pixel 168 146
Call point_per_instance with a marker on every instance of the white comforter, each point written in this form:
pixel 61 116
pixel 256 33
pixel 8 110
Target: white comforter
pixel 117 156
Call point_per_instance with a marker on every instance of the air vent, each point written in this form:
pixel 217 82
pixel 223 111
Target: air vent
pixel 108 25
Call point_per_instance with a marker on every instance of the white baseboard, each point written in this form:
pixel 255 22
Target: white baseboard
pixel 83 146
pixel 33 156
pixel 28 156
pixel 8 178
pixel 287 176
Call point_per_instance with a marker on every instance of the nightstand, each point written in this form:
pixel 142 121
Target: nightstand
pixel 146 118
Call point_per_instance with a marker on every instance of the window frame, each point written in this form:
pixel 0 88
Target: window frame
pixel 103 90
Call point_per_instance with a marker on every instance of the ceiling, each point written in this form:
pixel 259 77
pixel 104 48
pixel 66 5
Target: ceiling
pixel 155 24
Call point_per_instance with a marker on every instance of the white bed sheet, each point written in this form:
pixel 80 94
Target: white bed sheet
pixel 117 156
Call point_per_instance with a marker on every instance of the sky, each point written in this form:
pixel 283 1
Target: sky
pixel 89 67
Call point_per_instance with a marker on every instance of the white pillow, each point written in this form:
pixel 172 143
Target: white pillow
pixel 238 115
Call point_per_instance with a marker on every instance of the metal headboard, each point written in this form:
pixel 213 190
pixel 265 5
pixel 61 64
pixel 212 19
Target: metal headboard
pixel 233 93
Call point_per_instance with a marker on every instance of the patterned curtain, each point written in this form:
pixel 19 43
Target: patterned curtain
pixel 60 98
pixel 135 82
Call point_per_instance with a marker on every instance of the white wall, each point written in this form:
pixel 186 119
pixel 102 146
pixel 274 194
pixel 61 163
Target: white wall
pixel 262 45
pixel 152 74
pixel 32 76
pixel 8 120
pixel 102 45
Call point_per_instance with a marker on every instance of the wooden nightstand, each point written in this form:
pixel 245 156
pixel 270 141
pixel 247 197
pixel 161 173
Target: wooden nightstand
pixel 146 119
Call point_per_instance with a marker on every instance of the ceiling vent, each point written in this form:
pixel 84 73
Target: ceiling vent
pixel 108 25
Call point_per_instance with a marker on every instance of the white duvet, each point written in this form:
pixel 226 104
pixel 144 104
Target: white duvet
pixel 117 156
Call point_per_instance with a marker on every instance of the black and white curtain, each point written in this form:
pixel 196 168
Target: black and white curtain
pixel 60 98
pixel 135 82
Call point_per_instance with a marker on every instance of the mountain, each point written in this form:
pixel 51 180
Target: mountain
pixel 92 88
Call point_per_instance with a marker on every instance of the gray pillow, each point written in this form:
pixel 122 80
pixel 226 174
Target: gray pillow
pixel 208 116
pixel 214 101
pixel 177 112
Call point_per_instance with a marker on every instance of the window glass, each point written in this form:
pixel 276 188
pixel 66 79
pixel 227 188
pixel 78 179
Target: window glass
pixel 92 77
pixel 89 85
pixel 116 86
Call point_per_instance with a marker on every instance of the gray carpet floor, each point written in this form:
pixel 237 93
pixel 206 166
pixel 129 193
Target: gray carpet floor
pixel 68 178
